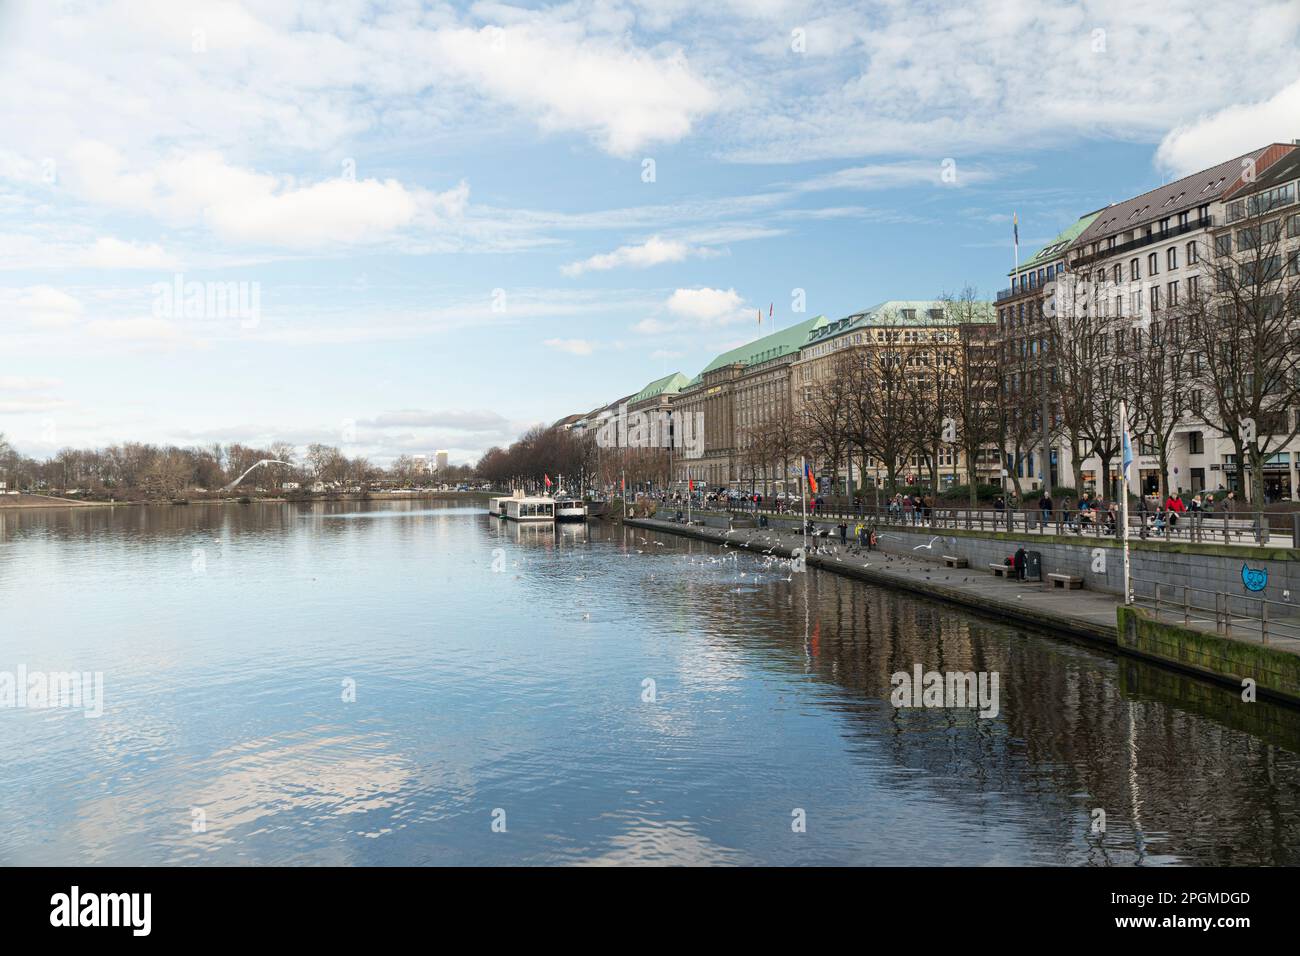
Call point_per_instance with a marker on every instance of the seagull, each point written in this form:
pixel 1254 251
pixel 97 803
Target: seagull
pixel 929 546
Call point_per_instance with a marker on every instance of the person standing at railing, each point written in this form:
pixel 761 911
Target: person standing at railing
pixel 1085 514
pixel 1045 508
pixel 1175 507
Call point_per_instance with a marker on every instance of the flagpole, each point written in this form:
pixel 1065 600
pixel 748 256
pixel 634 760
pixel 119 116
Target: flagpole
pixel 1125 454
pixel 1015 233
pixel 803 499
pixel 689 495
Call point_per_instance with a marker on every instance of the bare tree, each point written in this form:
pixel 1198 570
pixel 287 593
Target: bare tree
pixel 1242 331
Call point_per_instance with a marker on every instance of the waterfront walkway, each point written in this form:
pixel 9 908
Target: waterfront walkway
pixel 1082 613
pixel 1236 529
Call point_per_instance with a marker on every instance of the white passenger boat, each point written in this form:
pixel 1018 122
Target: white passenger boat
pixel 529 509
pixel 497 507
pixel 570 509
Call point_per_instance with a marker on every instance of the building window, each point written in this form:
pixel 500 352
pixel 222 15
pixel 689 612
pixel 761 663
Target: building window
pixel 1195 443
pixel 1223 245
pixel 1171 257
pixel 1153 264
pixel 1193 286
pixel 1292 227
pixel 1192 256
pixel 1134 270
pixel 1172 294
pixel 1155 298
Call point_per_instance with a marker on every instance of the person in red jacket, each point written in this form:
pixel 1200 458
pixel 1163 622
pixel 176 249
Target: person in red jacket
pixel 1174 505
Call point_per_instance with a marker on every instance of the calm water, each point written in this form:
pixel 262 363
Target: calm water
pixel 499 670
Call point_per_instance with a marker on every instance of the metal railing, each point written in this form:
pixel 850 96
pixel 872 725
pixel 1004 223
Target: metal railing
pixel 1195 527
pixel 1191 604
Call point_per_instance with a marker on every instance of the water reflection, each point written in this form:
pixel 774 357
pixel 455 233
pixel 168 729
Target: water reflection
pixel 503 666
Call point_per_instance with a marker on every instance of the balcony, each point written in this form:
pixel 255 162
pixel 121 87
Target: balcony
pixel 1156 236
pixel 1029 290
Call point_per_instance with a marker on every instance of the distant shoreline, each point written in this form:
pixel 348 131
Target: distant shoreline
pixel 27 502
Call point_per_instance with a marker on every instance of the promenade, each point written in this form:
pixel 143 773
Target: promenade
pixel 1082 613
pixel 1279 529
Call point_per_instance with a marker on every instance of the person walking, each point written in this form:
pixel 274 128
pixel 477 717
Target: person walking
pixel 1045 508
pixel 844 533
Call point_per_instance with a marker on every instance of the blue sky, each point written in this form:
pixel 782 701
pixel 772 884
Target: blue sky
pixel 444 210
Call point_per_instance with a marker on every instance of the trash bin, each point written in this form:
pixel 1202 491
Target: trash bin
pixel 1033 565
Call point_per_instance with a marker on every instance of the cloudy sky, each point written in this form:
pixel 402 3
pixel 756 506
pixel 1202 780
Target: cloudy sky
pixel 406 226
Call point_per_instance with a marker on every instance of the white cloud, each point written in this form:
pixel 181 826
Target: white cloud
pixel 654 251
pixel 138 330
pixel 1231 132
pixel 572 346
pixel 626 97
pixel 652 326
pixel 706 305
pixel 946 172
pixel 20 383
pixel 46 306
pixel 242 205
pixel 34 406
pixel 110 253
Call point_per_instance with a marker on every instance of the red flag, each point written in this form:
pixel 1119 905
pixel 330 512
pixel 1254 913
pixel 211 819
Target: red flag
pixel 547 479
pixel 812 479
pixel 622 484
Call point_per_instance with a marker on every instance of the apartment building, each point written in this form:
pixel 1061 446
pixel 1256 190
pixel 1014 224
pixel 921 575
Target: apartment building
pixel 1257 257
pixel 923 339
pixel 1027 387
pixel 735 394
pixel 1132 270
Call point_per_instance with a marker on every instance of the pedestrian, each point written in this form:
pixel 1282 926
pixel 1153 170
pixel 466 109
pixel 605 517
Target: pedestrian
pixel 844 533
pixel 1174 506
pixel 861 533
pixel 1019 562
pixel 1045 508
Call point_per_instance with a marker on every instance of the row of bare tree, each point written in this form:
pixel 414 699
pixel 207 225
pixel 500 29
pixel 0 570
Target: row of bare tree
pixel 167 470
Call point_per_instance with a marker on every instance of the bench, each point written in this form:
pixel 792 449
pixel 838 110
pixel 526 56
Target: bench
pixel 1002 570
pixel 1066 581
pixel 953 561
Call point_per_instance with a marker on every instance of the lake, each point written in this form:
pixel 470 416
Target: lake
pixel 418 683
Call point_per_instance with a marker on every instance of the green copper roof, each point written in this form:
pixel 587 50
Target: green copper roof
pixel 898 312
pixel 1057 246
pixel 669 384
pixel 767 348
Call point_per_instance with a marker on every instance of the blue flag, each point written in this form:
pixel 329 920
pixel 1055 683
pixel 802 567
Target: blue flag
pixel 1128 450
